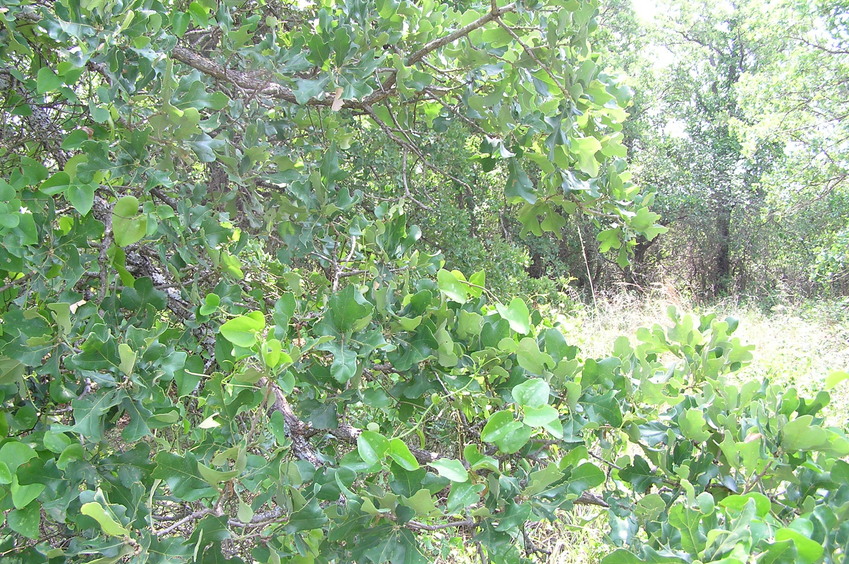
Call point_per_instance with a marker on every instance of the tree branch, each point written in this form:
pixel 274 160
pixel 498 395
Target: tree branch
pixel 257 84
pixel 298 430
pixel 197 515
pixel 432 46
pixel 244 80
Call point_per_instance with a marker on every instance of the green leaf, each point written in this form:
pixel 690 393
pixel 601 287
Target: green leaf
pixel 421 502
pixel 479 461
pixel 649 508
pixel 245 513
pixel 807 549
pixel 835 378
pixel 496 426
pixel 349 311
pixel 273 355
pixel 604 409
pixel 25 521
pixel 405 482
pixel 738 502
pixel 513 517
pixel 15 453
pixel 90 410
pixel 693 425
pixel 408 323
pixel 71 454
pixel 609 239
pixel 140 416
pixel 532 393
pixel 518 186
pixel 706 503
pixel 451 284
pixel 584 477
pixel 107 522
pixel 462 495
pixel 181 474
pixel 385 544
pixel 372 447
pixel 74 139
pixel 5 474
pixel 56 184
pixel 445 353
pixel 400 453
pixel 451 469
pixel 644 219
pixel 33 171
pixel 477 283
pixel 306 518
pixel 553 223
pixel 81 197
pixel 801 435
pixel 7 192
pixel 128 225
pixel 779 552
pixel 344 366
pixel 622 556
pixel 179 23
pixel 128 359
pixel 531 358
pixel 214 477
pixel 204 147
pixel 540 416
pixel 22 495
pixel 47 81
pixel 585 149
pixel 688 522
pixel 639 474
pixel 541 479
pixel 242 331
pixel 307 89
pixel 210 304
pixel 505 432
pixel 517 315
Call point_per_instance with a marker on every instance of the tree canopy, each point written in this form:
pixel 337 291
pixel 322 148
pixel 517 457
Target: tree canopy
pixel 222 340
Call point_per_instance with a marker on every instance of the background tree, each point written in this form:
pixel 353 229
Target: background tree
pixel 729 124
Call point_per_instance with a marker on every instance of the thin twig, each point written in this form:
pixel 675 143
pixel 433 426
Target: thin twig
pixel 533 56
pixel 401 142
pixel 16 281
pixel 586 264
pixel 417 526
pixel 407 193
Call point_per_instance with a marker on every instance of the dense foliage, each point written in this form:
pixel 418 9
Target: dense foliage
pixel 221 340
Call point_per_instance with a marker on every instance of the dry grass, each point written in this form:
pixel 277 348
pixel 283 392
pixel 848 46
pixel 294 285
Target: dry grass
pixel 577 537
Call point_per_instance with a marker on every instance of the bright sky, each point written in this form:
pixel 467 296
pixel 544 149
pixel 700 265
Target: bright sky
pixel 646 9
